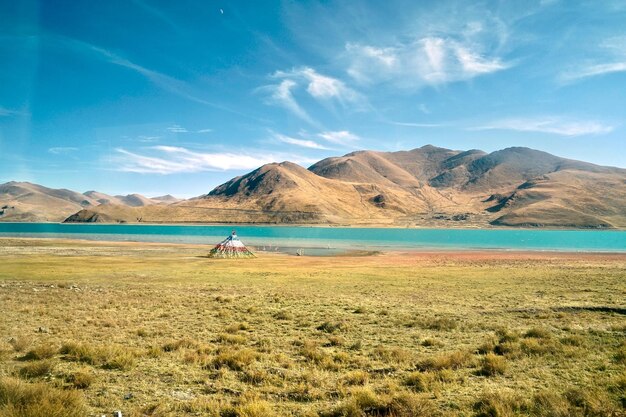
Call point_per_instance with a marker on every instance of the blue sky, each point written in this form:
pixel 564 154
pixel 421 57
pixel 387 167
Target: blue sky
pixel 177 97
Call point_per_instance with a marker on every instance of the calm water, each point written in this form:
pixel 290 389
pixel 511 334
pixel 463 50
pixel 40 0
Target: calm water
pixel 320 239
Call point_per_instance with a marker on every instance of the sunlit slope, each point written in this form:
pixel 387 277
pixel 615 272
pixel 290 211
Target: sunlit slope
pixel 24 201
pixel 428 186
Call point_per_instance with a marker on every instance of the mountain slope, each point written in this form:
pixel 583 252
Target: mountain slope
pixel 427 186
pixel 24 201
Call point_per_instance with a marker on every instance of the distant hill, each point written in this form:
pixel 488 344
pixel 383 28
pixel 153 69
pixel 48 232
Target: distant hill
pixel 27 202
pixel 427 186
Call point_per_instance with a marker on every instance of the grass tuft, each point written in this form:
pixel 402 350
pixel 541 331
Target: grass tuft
pixel 40 352
pixel 492 365
pixel 107 357
pixel 331 326
pixel 20 399
pixel 36 369
pixel 80 379
pixel 236 360
pixel 454 360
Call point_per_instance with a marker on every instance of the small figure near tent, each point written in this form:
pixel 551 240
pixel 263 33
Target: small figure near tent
pixel 231 247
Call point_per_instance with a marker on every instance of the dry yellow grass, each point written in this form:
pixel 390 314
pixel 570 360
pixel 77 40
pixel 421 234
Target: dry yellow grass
pixel 159 330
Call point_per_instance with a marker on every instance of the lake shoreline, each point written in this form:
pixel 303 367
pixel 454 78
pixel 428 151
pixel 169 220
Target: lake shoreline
pixel 434 226
pixel 410 253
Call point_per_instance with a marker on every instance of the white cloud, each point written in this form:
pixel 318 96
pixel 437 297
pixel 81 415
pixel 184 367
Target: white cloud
pixel 611 58
pixel 177 129
pixel 60 150
pixel 474 64
pixel 144 138
pixel 427 60
pixel 554 125
pixel 318 86
pixel 204 131
pixel 592 70
pixel 172 160
pixel 305 143
pixel 280 94
pixel 409 124
pixel 341 137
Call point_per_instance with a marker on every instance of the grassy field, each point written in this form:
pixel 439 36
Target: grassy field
pixel 160 330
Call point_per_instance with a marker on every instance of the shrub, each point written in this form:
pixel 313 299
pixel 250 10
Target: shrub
pixel 255 376
pixel 439 323
pixel 22 399
pixel 233 339
pixel 40 352
pixel 573 340
pixel 283 315
pixel 505 335
pixel 234 328
pixel 254 409
pixel 20 344
pixel 509 349
pixel 108 357
pixel 498 404
pixel 356 378
pixel 312 352
pixel 331 327
pixel 592 402
pixel 550 404
pixel 80 379
pixel 237 360
pixel 454 360
pixel 364 402
pixel 37 369
pixel 429 342
pixel 538 347
pixel 492 365
pixel 538 333
pixel 488 346
pixel 418 381
pixel 179 344
pixel 336 340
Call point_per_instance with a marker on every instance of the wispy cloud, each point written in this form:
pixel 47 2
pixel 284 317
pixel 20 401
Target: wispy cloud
pixel 554 125
pixel 281 95
pixel 409 124
pixel 611 58
pixel 60 150
pixel 145 138
pixel 163 81
pixel 429 60
pixel 204 131
pixel 341 137
pixel 592 70
pixel 4 112
pixel 305 143
pixel 321 87
pixel 177 129
pixel 172 160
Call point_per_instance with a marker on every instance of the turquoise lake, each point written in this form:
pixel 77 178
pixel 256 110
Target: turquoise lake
pixel 322 239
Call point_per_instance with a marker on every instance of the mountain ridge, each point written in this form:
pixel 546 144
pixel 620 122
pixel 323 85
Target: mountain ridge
pixel 25 201
pixel 422 187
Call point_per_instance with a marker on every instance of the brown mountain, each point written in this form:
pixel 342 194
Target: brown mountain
pixel 428 186
pixel 24 201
